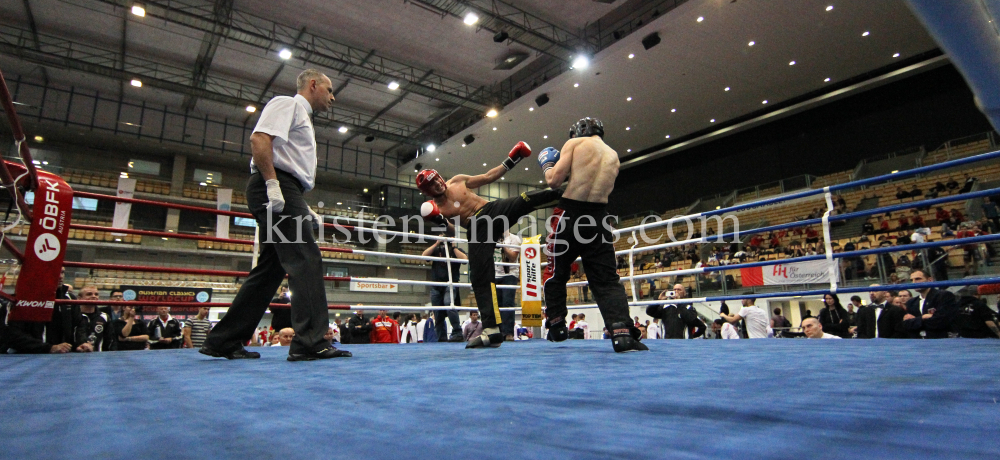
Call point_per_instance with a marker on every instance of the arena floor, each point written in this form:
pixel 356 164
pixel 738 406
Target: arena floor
pixel 684 399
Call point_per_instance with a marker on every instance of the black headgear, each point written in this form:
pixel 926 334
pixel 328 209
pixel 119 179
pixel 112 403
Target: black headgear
pixel 587 127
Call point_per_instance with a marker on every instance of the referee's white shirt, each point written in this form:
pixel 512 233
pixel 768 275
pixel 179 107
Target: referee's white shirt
pixel 288 120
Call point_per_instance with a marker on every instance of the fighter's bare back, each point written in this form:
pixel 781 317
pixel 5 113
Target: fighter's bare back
pixel 592 167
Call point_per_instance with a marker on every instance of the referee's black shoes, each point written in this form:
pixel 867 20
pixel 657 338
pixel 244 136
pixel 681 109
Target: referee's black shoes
pixel 236 353
pixel 326 353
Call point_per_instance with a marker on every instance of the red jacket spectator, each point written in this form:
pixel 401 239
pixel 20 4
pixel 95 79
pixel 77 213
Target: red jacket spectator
pixel 797 231
pixel 957 215
pixel 941 215
pixel 918 221
pixel 903 222
pixel 782 233
pixel 384 330
pixel 775 242
pixel 756 241
pixel 811 233
pixel 883 225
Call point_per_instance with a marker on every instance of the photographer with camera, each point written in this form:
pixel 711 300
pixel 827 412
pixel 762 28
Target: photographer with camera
pixel 678 320
pixel 440 297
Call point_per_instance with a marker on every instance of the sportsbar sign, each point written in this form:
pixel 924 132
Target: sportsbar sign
pixel 372 286
pixel 531 282
pixel 44 250
pixel 812 272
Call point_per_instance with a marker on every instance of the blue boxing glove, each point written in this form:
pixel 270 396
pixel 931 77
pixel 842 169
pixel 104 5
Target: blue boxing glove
pixel 548 158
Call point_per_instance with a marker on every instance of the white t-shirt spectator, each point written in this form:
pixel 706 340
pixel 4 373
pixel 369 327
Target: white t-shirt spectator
pixel 729 331
pixel 756 322
pixel 828 336
pixel 586 328
pixel 502 271
pixel 653 331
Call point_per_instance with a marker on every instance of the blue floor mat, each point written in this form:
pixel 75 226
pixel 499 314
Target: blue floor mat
pixel 533 399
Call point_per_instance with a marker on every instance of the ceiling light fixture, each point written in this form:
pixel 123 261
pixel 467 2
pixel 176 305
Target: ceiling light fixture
pixel 139 11
pixel 531 109
pixel 727 88
pixel 471 18
pixel 628 151
pixel 673 110
pixel 342 130
pixel 628 128
pixel 865 34
pixel 545 136
pixel 431 148
pixel 393 85
pixel 712 120
pixel 39 139
pixel 630 55
pixel 668 137
pixel 765 101
pixel 285 54
pixel 576 85
pixel 829 8
pixel 895 55
pixel 580 62
pixel 751 43
pixel 628 99
pixel 484 164
pixel 494 128
pixel 701 18
pixel 827 80
pixel 492 113
pixel 251 109
pixel 136 83
pixel 365 190
pixel 791 63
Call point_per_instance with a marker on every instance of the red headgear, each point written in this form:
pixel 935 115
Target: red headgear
pixel 426 180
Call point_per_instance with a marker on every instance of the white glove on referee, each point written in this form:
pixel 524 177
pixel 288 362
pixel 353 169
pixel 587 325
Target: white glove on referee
pixel 275 200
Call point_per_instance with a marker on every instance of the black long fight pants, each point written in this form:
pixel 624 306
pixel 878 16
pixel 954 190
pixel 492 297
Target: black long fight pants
pixel 296 255
pixel 485 228
pixel 574 218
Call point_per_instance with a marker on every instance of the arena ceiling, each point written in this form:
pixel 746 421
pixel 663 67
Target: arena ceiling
pixel 218 57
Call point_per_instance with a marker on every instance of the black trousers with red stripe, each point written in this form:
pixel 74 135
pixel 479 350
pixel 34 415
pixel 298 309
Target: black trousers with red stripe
pixel 485 228
pixel 583 229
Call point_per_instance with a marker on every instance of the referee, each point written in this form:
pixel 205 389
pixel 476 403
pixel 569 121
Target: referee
pixel 283 167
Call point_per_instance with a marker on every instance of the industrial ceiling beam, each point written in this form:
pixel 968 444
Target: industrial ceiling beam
pixel 318 51
pixel 222 11
pixel 62 54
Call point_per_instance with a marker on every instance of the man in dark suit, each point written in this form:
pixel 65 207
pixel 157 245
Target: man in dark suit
pixel 879 320
pixel 930 315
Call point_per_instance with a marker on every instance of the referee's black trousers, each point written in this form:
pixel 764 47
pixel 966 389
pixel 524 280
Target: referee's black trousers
pixel 288 248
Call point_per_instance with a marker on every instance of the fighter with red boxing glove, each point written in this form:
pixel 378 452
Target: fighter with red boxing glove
pixel 486 222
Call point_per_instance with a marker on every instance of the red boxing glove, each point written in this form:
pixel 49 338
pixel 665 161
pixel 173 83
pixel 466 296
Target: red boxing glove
pixel 521 150
pixel 430 211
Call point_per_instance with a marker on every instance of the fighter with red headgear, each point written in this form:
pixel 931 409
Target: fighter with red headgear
pixel 486 222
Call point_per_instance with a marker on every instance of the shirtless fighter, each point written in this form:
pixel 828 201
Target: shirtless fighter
pixel 580 226
pixel 486 222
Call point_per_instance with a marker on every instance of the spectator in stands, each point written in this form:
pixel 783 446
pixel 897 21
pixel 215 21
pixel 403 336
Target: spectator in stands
pixel 952 184
pixel 474 328
pixel 931 314
pixel 941 215
pixel 755 242
pixel 131 330
pixel 971 255
pixel 812 236
pixel 974 320
pixel 915 191
pixel 855 305
pixel 384 329
pixel 775 243
pixel 285 337
pixel 969 183
pixel 901 194
pixel 903 222
pixel 581 330
pixel 93 326
pixel 655 330
pixel 917 221
pixel 779 320
pixel 196 329
pixel 336 328
pixel 13 339
pixel 878 315
pixel 814 330
pixel 440 295
pixel 841 202
pixel 834 317
pixel 669 314
pixel 991 212
pixel 957 217
pixel 408 329
pixel 359 328
pixel 756 319
pixel 934 192
pixel 281 317
pixel 868 228
pixel 116 310
pixel 165 330
pixel 725 330
pixel 883 225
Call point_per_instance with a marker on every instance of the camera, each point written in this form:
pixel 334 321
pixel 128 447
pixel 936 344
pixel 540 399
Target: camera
pixel 672 294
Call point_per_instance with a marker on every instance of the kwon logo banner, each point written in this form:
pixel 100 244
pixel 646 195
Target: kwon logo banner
pixel 812 272
pixel 531 281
